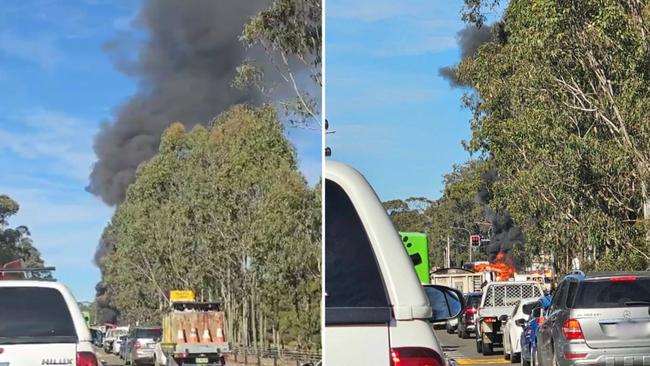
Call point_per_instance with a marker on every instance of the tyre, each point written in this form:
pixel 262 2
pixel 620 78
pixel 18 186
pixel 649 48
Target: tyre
pixel 479 346
pixel 465 334
pixel 487 348
pixel 515 357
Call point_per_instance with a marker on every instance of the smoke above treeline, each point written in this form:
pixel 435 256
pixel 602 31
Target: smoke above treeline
pixel 183 60
pixel 469 40
pixel 183 68
pixel 505 234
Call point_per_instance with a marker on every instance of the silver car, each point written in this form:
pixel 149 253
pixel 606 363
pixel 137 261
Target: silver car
pixel 142 341
pixel 597 319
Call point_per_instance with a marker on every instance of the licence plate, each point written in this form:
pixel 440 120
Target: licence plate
pixel 201 360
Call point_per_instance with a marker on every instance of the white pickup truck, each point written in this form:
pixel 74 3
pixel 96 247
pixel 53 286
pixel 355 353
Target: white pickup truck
pixel 498 301
pixel 41 324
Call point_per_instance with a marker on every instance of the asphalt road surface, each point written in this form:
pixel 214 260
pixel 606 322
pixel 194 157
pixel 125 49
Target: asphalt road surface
pixel 463 351
pixel 107 359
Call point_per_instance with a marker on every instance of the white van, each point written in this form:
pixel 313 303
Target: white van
pixel 41 324
pixel 376 311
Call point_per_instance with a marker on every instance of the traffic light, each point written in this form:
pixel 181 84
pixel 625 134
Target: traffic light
pixel 475 240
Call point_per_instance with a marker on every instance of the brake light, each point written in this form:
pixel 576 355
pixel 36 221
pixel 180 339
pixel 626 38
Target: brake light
pixel 623 279
pixel 415 356
pixel 86 359
pixel 470 311
pixel 571 330
pixel 137 345
pixel 489 319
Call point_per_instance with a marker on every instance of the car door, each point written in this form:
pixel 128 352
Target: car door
pixel 357 307
pixel 545 335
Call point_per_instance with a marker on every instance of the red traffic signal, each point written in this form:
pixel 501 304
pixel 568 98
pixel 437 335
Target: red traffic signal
pixel 475 240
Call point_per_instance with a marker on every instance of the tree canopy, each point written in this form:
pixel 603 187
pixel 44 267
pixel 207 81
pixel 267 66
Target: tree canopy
pixel 15 242
pixel 560 110
pixel 224 211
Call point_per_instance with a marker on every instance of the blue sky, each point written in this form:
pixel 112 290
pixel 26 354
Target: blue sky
pixel 396 120
pixel 57 87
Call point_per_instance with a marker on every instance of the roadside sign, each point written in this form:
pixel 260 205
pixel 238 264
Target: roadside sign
pixel 181 295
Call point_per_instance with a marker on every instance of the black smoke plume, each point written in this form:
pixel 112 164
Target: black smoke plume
pixel 505 235
pixel 469 40
pixel 183 68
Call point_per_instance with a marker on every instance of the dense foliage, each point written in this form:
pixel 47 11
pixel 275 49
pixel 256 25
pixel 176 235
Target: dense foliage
pixel 560 106
pixel 223 211
pixel 16 243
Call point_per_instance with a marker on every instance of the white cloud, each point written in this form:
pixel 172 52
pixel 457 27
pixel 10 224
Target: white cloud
pixel 41 51
pixel 62 142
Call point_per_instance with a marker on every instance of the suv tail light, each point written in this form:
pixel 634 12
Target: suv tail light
pixel 86 359
pixel 137 345
pixel 571 330
pixel 415 356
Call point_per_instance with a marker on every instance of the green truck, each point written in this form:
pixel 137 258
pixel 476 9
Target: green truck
pixel 417 247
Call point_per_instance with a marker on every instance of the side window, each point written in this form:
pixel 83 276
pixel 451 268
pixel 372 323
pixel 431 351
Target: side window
pixel 559 296
pixel 354 287
pixel 571 294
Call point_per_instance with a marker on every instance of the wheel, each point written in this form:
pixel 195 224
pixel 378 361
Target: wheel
pixel 460 333
pixel 515 357
pixel 479 346
pixel 487 348
pixel 465 334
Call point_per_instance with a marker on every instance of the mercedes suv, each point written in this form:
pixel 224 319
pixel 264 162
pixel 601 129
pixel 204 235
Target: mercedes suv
pixel 597 319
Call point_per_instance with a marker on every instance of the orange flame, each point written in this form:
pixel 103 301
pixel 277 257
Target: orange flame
pixel 502 265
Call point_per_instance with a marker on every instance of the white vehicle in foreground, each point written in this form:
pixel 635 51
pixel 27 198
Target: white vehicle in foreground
pixel 376 311
pixel 515 326
pixel 41 324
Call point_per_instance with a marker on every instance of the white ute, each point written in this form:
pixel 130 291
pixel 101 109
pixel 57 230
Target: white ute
pixel 41 324
pixel 376 311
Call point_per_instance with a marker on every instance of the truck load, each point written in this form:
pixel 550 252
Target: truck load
pixel 193 333
pixel 461 279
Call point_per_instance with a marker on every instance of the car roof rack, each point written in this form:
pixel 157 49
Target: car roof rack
pixel 25 273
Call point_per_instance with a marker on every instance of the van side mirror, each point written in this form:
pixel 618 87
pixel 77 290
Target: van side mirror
pixel 446 303
pixel 156 339
pixel 536 313
pixel 503 318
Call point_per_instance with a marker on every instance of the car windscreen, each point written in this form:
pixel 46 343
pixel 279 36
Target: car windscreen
pixel 474 301
pixel 34 315
pixel 148 333
pixel 612 293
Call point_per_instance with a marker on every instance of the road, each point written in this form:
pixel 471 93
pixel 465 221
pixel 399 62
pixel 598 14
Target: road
pixel 463 351
pixel 108 360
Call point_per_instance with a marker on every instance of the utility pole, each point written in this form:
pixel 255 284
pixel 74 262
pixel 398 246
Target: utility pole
pixel 448 253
